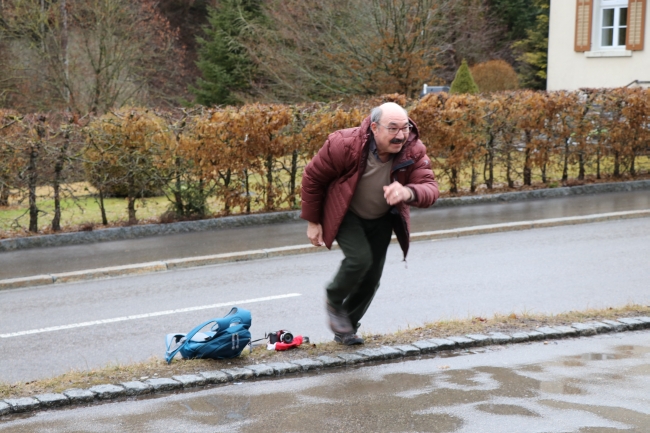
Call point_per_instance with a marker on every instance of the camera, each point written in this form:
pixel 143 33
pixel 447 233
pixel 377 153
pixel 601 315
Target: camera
pixel 280 336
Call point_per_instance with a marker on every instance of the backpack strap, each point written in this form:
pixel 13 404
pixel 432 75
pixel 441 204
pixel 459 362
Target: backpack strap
pixel 172 339
pixel 170 355
pixel 235 316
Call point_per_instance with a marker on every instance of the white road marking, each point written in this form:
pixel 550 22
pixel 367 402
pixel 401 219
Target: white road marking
pixel 145 316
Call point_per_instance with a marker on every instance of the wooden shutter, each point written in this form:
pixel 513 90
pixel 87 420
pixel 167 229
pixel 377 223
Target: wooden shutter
pixel 584 10
pixel 636 12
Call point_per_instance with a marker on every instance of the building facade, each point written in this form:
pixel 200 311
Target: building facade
pixel 598 43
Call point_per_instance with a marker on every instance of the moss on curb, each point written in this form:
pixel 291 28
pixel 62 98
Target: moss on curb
pixel 157 367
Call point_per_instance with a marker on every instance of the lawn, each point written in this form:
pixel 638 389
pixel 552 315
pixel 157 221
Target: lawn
pixel 79 211
pixel 553 172
pixel 80 207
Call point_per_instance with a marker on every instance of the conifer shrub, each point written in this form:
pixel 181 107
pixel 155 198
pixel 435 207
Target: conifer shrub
pixel 463 82
pixel 494 76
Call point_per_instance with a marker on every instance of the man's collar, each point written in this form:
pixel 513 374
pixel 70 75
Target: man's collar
pixel 373 147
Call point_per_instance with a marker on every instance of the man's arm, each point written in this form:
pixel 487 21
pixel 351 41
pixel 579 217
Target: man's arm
pixel 422 181
pixel 324 167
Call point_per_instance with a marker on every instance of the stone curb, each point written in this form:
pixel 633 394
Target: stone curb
pixel 130 390
pixel 133 232
pixel 190 262
pixel 528 225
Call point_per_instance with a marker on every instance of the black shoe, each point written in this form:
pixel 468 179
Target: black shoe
pixel 339 321
pixel 348 339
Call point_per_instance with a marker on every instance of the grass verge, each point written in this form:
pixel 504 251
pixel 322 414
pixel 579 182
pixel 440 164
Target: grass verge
pixel 82 213
pixel 157 367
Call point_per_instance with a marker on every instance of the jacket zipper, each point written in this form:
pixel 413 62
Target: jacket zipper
pixel 401 165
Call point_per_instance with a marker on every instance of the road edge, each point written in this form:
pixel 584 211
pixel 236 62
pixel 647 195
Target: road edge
pixel 148 230
pixel 105 393
pixel 191 262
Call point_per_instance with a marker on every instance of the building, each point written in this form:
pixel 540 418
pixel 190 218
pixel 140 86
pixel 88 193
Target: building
pixel 598 43
pixel 426 89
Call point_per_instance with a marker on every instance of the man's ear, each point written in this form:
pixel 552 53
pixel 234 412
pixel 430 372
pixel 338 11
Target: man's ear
pixel 373 127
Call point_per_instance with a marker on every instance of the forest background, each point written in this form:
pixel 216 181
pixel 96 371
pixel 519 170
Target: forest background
pixel 90 56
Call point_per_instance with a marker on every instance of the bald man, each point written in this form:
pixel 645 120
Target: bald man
pixel 358 190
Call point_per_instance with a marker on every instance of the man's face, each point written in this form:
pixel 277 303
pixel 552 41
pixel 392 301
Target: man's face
pixel 387 141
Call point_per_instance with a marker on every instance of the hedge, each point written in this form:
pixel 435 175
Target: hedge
pixel 250 158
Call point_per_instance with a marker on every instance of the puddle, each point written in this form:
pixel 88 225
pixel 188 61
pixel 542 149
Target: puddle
pixel 519 389
pixel 573 363
pixel 583 359
pixel 560 388
pixel 506 409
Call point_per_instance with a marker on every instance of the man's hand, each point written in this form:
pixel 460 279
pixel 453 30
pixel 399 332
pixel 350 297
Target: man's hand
pixel 315 234
pixel 396 193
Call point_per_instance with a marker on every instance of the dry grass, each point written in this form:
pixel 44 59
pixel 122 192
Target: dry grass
pixel 554 175
pixel 157 367
pixel 82 212
pixel 501 187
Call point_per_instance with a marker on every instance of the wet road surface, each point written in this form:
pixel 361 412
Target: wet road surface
pixel 31 262
pixel 590 385
pixel 548 270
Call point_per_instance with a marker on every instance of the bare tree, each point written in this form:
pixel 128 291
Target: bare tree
pixel 92 55
pixel 316 50
pixel 465 30
pixel 319 50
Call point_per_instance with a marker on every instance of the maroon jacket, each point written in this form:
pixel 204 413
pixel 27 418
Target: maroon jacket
pixel 331 177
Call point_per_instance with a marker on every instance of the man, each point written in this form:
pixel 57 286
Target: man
pixel 357 190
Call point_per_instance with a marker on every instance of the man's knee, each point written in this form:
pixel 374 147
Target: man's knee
pixel 360 263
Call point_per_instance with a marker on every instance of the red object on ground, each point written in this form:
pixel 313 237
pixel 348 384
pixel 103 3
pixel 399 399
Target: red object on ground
pixel 297 341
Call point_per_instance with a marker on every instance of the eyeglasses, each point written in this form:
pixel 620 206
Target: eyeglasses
pixel 394 131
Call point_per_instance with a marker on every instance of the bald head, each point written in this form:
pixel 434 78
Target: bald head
pixel 390 108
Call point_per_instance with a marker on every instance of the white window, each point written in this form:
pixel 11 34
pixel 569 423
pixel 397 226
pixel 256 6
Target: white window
pixel 612 24
pixel 609 28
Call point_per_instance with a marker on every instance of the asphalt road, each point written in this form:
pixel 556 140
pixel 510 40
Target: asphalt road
pixel 25 263
pixel 544 270
pixel 588 385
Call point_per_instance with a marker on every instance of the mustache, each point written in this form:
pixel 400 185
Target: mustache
pixel 398 141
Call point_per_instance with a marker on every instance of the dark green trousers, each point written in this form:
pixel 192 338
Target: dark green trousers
pixel 364 244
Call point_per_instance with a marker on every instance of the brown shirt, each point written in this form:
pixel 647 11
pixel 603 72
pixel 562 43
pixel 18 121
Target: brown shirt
pixel 368 201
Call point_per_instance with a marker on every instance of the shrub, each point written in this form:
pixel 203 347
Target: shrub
pixel 127 152
pixel 250 158
pixel 11 129
pixel 494 76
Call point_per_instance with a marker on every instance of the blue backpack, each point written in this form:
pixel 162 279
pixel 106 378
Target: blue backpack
pixel 227 338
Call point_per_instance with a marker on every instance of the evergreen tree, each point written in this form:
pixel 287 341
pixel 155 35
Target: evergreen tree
pixel 534 50
pixel 225 65
pixel 463 83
